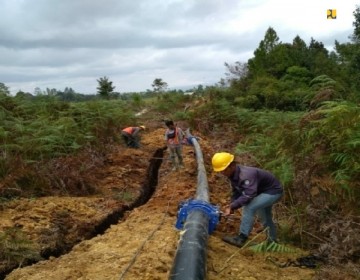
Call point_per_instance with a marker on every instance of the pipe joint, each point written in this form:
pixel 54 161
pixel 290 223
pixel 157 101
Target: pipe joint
pixel 185 207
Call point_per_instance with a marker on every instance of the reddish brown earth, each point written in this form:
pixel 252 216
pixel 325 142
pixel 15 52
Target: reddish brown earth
pixel 142 245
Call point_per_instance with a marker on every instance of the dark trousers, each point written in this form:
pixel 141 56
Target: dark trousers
pixel 130 141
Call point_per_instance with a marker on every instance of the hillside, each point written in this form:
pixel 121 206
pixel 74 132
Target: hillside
pixel 142 244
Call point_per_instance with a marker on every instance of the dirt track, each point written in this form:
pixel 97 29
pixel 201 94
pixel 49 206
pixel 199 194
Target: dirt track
pixel 143 244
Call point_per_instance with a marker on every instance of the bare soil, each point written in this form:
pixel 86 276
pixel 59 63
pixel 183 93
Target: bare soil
pixel 142 244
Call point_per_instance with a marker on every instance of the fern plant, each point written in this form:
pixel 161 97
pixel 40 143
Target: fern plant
pixel 275 247
pixel 269 136
pixel 338 132
pixel 15 248
pixel 44 128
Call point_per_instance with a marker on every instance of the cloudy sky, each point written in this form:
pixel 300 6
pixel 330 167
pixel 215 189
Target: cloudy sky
pixel 72 43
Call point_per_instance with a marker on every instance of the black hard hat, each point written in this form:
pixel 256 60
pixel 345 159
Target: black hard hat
pixel 169 122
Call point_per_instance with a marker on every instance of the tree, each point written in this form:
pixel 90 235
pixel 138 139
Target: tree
pixel 279 59
pixel 271 40
pixel 348 58
pixel 222 83
pixel 299 51
pixel 38 91
pixel 69 90
pixel 159 85
pixel 4 90
pixel 200 88
pixel 105 88
pixel 24 95
pixel 51 92
pixel 236 71
pixel 319 61
pixel 316 47
pixel 356 24
pixel 260 62
pixel 301 76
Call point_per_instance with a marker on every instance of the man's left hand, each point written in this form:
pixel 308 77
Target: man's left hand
pixel 228 211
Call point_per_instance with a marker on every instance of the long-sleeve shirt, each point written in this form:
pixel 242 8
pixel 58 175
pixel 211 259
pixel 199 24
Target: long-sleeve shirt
pixel 248 182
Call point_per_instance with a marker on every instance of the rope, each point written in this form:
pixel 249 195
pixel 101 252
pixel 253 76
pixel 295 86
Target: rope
pixel 147 239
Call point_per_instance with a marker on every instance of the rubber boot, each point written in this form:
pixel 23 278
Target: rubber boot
pixel 238 240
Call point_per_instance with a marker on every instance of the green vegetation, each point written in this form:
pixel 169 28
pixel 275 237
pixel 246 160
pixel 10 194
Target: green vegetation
pixel 124 196
pixel 15 248
pixel 159 85
pixel 294 106
pixel 105 88
pixel 265 246
pixel 43 129
pixel 296 109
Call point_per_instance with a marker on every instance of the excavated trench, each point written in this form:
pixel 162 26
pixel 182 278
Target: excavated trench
pixel 147 190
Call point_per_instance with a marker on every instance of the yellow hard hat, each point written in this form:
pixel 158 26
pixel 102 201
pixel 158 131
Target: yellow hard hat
pixel 221 160
pixel 142 127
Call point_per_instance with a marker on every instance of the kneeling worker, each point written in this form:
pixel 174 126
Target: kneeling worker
pixel 131 136
pixel 254 189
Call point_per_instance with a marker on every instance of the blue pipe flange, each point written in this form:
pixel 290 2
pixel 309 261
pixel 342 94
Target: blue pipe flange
pixel 185 207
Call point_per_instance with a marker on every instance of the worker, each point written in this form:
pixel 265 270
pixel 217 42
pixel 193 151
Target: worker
pixel 131 136
pixel 255 190
pixel 174 136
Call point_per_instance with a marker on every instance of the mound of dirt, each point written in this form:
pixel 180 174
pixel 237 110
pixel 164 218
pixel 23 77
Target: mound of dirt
pixel 142 245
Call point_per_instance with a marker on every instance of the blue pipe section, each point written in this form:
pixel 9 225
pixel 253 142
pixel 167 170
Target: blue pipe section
pixel 194 204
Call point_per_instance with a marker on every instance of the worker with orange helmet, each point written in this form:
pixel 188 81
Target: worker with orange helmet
pixel 255 190
pixel 131 136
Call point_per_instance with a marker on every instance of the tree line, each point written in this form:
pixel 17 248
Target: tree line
pixel 295 76
pixel 105 90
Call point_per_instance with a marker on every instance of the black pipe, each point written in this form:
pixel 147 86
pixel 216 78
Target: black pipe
pixel 202 189
pixel 190 258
